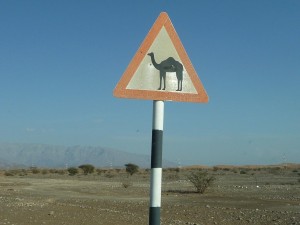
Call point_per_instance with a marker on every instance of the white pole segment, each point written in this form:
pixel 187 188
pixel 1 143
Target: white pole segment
pixel 155 187
pixel 158 115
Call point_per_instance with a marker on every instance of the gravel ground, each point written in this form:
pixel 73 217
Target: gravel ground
pixel 256 198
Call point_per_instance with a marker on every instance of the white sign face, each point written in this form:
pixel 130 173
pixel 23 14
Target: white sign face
pixel 161 69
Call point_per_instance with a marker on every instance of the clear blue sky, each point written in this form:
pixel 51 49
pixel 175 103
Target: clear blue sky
pixel 60 61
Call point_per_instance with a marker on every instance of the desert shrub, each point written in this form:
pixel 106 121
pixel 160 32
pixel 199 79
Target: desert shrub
pixel 243 172
pixel 176 169
pixel 172 177
pixel 99 171
pixel 35 170
pixel 110 175
pixel 52 170
pixel 164 170
pixel 215 168
pixel 45 171
pixel 131 168
pixel 274 170
pixel 126 184
pixel 87 168
pixel 9 173
pixel 22 172
pixel 61 172
pixel 201 180
pixel 72 171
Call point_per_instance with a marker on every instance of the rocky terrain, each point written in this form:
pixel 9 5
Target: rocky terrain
pixel 238 196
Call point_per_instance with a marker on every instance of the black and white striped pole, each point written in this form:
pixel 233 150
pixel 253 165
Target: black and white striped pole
pixel 156 162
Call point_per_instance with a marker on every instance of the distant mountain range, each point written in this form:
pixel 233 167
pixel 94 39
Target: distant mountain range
pixel 52 156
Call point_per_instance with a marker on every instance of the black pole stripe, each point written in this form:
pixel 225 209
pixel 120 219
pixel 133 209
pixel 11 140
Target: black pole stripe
pixel 154 216
pixel 156 149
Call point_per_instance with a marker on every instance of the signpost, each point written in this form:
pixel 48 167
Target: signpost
pixel 160 71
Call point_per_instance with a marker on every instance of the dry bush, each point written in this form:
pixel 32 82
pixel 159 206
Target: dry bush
pixel 275 170
pixel 9 173
pixel 243 172
pixel 172 177
pixel 72 171
pixel 87 168
pixel 45 171
pixel 52 171
pixel 118 170
pixel 171 169
pixel 215 168
pixel 201 180
pixel 131 168
pixel 22 172
pixel 61 172
pixel 110 175
pixel 126 184
pixel 13 172
pixel 35 170
pixel 100 171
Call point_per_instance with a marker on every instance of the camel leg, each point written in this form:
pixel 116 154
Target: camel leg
pixel 160 80
pixel 179 81
pixel 164 77
pixel 180 89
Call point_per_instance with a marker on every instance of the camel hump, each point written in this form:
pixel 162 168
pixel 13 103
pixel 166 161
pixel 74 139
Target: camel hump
pixel 172 61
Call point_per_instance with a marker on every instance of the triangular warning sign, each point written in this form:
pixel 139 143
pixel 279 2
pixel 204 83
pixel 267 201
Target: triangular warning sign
pixel 161 69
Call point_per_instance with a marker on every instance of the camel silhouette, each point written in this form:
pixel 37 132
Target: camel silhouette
pixel 168 65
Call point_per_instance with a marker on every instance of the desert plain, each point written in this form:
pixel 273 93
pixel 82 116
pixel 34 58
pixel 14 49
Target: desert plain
pixel 239 195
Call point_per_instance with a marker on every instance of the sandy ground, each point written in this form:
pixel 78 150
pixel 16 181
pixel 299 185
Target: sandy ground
pixel 257 197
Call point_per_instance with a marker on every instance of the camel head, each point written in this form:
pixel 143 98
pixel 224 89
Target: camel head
pixel 150 54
